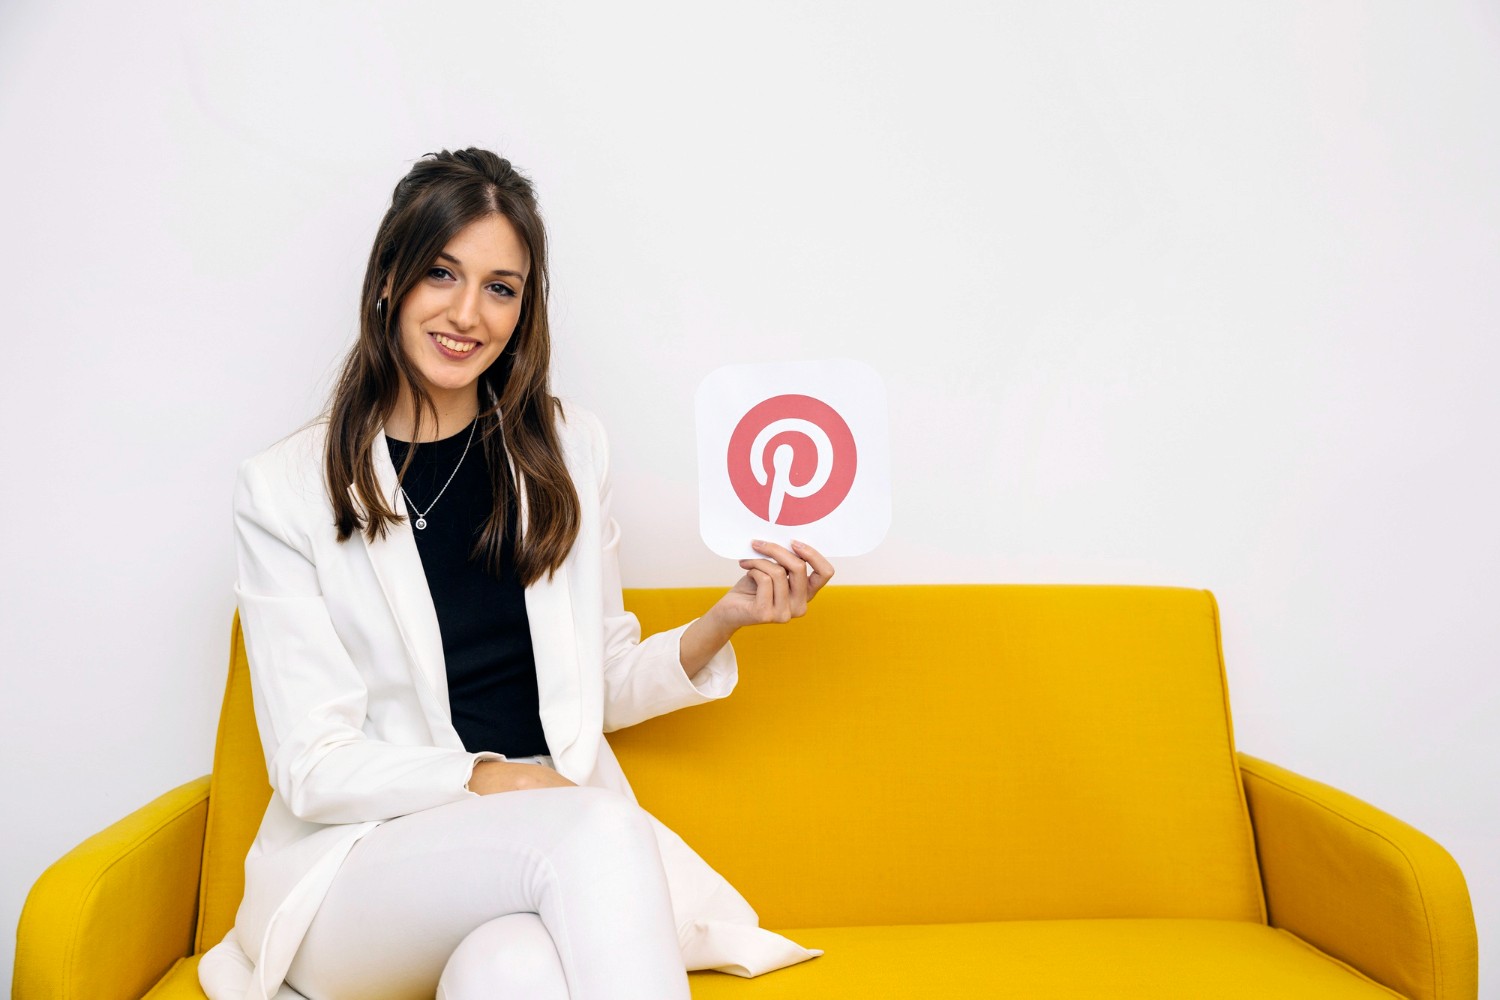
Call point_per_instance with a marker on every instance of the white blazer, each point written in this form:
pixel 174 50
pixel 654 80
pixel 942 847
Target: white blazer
pixel 351 697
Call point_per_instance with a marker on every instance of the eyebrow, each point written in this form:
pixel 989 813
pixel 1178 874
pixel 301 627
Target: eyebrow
pixel 512 274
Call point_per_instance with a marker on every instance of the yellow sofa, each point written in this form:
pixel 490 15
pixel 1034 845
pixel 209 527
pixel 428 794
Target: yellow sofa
pixel 955 791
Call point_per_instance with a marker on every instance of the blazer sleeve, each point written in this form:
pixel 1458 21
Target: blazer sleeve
pixel 309 697
pixel 643 678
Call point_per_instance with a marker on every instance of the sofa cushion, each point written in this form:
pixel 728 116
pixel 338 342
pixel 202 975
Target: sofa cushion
pixel 180 982
pixel 1045 959
pixel 947 754
pixel 1034 960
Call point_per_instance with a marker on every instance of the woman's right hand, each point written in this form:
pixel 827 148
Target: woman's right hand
pixel 491 776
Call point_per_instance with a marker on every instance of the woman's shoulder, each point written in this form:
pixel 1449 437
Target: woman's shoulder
pixel 295 451
pixel 293 465
pixel 582 434
pixel 577 423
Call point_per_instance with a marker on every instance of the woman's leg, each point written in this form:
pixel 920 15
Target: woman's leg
pixel 583 859
pixel 511 956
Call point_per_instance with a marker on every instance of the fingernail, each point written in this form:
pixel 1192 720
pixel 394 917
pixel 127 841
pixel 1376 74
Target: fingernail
pixel 796 544
pixel 756 543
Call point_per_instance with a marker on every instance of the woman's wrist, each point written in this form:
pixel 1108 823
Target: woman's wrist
pixel 702 640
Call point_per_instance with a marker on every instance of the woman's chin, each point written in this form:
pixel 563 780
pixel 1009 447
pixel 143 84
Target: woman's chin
pixel 451 386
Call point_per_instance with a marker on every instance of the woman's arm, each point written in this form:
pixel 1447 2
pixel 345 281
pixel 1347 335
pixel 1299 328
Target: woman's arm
pixel 310 699
pixel 693 663
pixel 642 677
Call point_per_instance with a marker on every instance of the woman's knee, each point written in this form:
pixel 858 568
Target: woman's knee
pixel 609 818
pixel 510 956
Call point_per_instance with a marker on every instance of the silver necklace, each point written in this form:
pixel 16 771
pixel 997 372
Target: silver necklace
pixel 421 521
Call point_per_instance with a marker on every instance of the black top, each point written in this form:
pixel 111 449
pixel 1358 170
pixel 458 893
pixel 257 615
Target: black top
pixel 492 689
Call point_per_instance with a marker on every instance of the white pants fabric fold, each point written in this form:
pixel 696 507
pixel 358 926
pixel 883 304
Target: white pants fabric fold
pixel 546 893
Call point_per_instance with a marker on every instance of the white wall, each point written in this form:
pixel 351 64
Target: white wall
pixel 1190 296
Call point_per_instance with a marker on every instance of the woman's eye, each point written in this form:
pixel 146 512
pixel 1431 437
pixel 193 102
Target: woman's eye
pixel 436 270
pixel 503 290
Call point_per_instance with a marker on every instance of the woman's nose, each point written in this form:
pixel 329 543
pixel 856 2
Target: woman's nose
pixel 463 308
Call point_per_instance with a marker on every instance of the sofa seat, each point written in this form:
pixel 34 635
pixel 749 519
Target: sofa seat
pixel 180 981
pixel 1032 959
pixel 1046 959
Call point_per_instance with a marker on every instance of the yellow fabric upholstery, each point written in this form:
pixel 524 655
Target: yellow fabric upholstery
pixel 111 916
pixel 1362 885
pixel 180 982
pixel 1070 744
pixel 956 791
pixel 1035 959
pixel 1026 960
pixel 241 790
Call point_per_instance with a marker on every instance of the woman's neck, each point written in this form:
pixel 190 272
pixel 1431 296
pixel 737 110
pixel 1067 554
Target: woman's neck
pixel 456 410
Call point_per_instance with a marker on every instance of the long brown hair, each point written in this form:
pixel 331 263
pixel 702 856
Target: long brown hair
pixel 443 193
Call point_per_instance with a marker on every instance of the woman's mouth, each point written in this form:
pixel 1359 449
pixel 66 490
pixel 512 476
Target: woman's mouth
pixel 452 347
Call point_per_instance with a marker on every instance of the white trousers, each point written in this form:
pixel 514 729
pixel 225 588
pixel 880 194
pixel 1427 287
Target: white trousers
pixel 544 894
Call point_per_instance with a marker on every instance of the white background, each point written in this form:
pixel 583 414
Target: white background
pixel 1200 295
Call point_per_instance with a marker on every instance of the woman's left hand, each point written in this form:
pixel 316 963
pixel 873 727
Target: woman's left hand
pixel 775 588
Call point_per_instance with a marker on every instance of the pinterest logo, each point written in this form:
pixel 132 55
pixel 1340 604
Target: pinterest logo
pixel 792 459
pixel 793 450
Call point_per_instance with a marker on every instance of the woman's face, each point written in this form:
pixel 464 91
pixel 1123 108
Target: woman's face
pixel 458 318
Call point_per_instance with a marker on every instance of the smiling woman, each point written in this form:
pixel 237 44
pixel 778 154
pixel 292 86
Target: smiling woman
pixel 472 270
pixel 429 591
pixel 460 313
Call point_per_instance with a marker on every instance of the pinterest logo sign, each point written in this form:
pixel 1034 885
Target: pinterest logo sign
pixel 792 459
pixel 793 450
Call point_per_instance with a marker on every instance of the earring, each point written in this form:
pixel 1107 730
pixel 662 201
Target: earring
pixel 380 309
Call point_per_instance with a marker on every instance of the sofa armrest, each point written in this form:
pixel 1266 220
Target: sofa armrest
pixel 1362 886
pixel 110 917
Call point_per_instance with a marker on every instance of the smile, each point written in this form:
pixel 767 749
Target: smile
pixel 453 348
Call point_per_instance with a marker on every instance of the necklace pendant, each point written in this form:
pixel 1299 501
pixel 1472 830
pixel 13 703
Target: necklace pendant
pixel 421 523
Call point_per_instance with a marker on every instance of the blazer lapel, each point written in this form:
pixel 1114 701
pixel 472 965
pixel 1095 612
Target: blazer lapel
pixel 398 567
pixel 549 613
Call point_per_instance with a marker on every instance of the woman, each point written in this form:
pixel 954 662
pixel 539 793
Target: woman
pixel 431 606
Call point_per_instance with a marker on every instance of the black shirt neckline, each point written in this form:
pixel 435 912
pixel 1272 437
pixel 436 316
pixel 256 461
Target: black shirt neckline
pixel 460 436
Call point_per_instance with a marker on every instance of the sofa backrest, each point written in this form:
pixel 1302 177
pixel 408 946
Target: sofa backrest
pixel 931 754
pixel 917 754
pixel 237 797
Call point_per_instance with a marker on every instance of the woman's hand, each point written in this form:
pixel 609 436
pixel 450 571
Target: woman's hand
pixel 491 776
pixel 775 588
